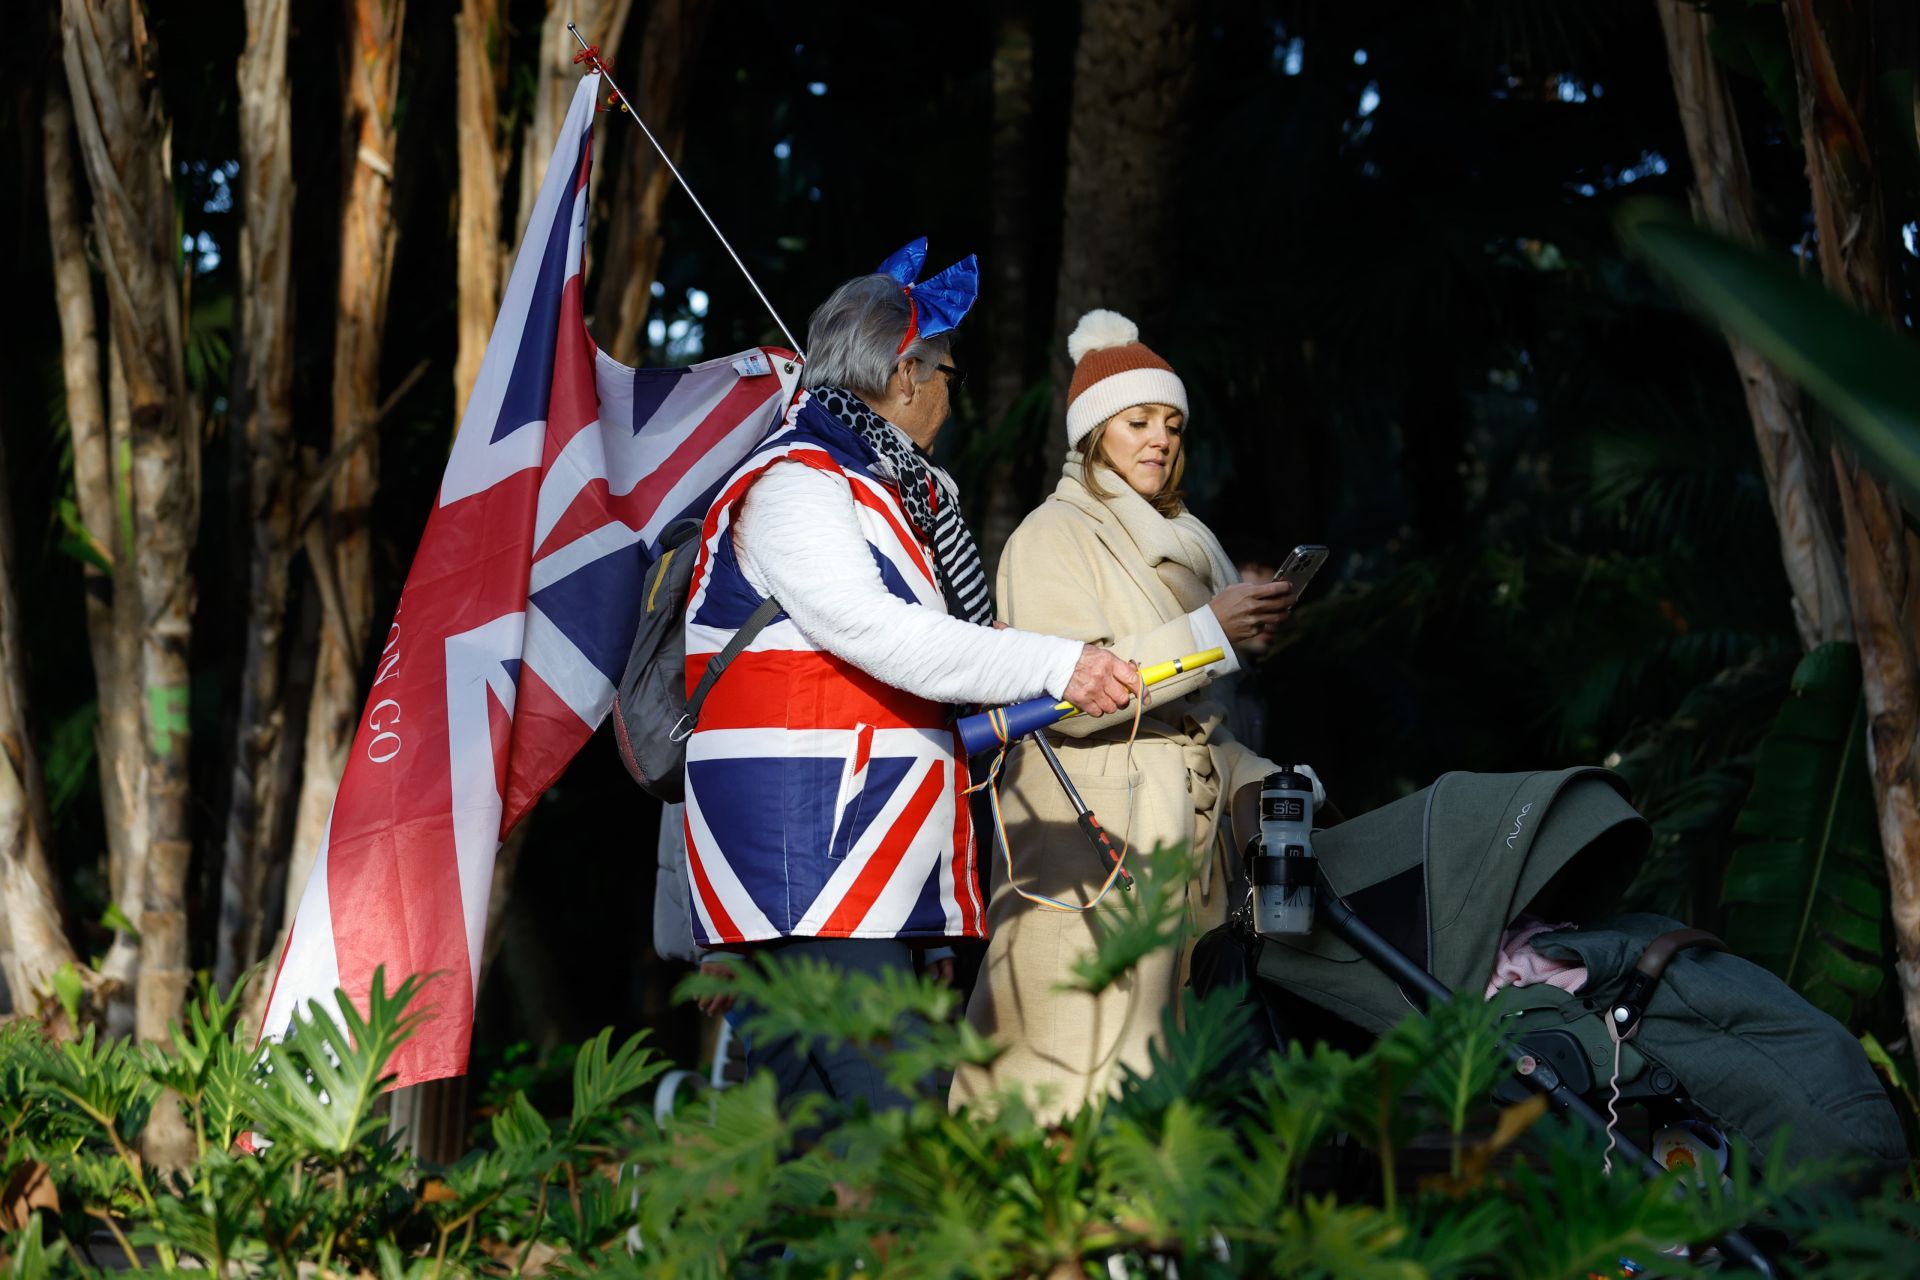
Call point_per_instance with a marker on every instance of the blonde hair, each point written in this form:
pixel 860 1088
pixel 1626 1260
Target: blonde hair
pixel 1169 502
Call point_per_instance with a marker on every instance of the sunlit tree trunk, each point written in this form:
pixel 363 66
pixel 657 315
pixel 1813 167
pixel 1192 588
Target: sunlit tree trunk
pixel 1008 297
pixel 111 594
pixel 600 22
pixel 1132 85
pixel 37 944
pixel 263 430
pixel 1830 55
pixel 340 548
pixel 1723 199
pixel 126 145
pixel 122 965
pixel 479 42
pixel 660 89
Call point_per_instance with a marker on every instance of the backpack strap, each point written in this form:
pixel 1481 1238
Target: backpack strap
pixel 717 665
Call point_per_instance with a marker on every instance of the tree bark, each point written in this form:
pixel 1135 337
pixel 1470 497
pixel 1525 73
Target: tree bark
pixel 125 142
pixel 1008 298
pixel 342 552
pixel 600 22
pixel 263 419
pixel 1831 64
pixel 669 46
pixel 479 46
pixel 1723 199
pixel 122 966
pixel 37 943
pixel 111 594
pixel 1132 85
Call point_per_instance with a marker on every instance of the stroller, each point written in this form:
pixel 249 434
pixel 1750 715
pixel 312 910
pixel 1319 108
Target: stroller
pixel 1414 899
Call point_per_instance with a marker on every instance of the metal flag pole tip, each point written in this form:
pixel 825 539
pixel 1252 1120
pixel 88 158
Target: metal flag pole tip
pixel 590 54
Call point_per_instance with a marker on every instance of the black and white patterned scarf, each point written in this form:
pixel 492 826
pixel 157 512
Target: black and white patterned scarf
pixel 932 503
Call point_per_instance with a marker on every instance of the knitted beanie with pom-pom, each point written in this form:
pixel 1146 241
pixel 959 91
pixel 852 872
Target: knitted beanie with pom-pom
pixel 1114 370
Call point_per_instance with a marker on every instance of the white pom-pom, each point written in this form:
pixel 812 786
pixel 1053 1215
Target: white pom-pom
pixel 1099 330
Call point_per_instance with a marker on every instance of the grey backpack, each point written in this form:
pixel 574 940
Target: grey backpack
pixel 652 713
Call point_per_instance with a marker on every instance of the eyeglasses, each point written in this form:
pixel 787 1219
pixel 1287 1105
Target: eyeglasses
pixel 955 377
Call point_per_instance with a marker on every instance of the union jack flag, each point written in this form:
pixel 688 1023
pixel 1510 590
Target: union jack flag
pixel 514 624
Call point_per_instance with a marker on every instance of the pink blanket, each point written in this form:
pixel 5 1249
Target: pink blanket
pixel 1518 965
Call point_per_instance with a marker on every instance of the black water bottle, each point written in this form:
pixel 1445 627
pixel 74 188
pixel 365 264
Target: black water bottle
pixel 1283 872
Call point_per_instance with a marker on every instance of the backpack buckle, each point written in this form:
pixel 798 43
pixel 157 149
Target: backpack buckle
pixel 682 728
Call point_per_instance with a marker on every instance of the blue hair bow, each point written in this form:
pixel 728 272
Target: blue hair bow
pixel 940 302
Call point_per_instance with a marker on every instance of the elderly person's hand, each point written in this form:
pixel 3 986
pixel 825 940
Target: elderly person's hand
pixel 716 1005
pixel 1250 610
pixel 1102 682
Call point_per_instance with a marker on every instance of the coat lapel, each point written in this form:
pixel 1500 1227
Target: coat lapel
pixel 1115 538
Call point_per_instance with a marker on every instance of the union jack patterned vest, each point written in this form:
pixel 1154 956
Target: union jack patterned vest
pixel 820 801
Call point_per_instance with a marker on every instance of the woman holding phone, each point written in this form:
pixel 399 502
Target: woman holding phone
pixel 1114 558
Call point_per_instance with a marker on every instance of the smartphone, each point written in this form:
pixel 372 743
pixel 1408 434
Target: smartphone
pixel 1302 563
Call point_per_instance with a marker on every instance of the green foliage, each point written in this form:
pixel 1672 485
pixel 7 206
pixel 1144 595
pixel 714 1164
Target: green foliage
pixel 1806 887
pixel 813 1004
pixel 346 1062
pixel 1691 774
pixel 1141 921
pixel 76 540
pixel 1867 375
pixel 28 1256
pixel 1752 39
pixel 69 756
pixel 1189 1167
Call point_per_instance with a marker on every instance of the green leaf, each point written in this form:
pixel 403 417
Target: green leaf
pixel 1177 1176
pixel 1806 887
pixel 1884 1063
pixel 325 1076
pixel 1752 39
pixel 77 540
pixel 1877 1054
pixel 29 1259
pixel 69 989
pixel 68 761
pixel 1140 922
pixel 897 1018
pixel 519 1130
pixel 1191 1059
pixel 116 919
pixel 600 1079
pixel 1867 375
pixel 103 1078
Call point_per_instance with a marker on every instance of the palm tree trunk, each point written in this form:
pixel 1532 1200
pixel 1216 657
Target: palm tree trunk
pixel 1830 56
pixel 1724 200
pixel 111 594
pixel 122 965
pixel 341 553
pixel 263 417
pixel 601 22
pixel 125 142
pixel 37 944
pixel 479 47
pixel 669 48
pixel 1132 83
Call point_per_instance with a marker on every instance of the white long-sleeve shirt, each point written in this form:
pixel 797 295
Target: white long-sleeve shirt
pixel 799 540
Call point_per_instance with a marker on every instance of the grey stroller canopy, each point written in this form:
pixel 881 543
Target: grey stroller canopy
pixel 1441 873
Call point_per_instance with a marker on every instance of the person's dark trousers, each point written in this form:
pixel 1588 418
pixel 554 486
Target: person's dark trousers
pixel 845 1073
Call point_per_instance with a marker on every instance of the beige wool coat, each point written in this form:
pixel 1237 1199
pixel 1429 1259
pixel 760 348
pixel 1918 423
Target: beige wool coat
pixel 1113 572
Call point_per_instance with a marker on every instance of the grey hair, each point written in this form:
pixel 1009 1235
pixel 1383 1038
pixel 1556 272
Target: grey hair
pixel 853 338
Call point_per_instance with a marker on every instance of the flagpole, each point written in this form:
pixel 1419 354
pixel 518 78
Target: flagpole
pixel 592 57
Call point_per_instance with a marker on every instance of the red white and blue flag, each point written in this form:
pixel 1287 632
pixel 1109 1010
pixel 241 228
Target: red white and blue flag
pixel 514 624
